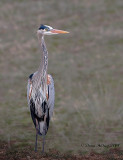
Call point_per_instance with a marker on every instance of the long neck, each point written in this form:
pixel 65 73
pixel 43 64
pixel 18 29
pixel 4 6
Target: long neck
pixel 42 70
pixel 40 77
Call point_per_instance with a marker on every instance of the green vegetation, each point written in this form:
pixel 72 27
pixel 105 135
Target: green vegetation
pixel 87 67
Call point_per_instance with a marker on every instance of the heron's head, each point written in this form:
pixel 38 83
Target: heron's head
pixel 47 30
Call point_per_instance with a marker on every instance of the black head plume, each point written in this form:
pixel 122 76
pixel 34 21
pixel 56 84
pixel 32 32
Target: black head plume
pixel 42 27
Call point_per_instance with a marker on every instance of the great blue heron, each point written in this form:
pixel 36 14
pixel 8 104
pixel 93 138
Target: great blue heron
pixel 40 88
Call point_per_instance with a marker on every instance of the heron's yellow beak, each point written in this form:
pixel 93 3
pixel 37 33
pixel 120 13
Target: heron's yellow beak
pixel 58 31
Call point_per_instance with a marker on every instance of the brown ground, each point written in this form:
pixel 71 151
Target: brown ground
pixel 13 153
pixel 87 67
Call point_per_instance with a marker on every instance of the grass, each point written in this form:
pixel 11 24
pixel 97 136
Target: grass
pixel 86 65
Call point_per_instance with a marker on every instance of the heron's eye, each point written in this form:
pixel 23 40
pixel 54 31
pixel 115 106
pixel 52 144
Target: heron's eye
pixel 47 29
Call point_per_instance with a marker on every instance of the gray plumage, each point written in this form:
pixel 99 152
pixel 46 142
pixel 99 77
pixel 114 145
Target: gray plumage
pixel 41 94
pixel 38 98
pixel 40 88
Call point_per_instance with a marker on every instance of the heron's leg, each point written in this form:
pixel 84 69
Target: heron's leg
pixel 44 131
pixel 43 143
pixel 36 137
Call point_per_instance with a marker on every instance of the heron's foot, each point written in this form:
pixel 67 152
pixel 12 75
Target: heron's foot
pixel 35 149
pixel 42 151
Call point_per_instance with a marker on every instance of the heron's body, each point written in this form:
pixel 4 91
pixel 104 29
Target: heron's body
pixel 41 104
pixel 40 88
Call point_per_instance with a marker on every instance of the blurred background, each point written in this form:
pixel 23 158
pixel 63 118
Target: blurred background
pixel 87 67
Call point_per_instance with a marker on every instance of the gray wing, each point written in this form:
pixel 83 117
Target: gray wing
pixel 51 99
pixel 28 91
pixel 29 86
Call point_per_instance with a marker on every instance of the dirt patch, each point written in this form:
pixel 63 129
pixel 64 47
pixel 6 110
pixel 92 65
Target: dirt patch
pixel 15 153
